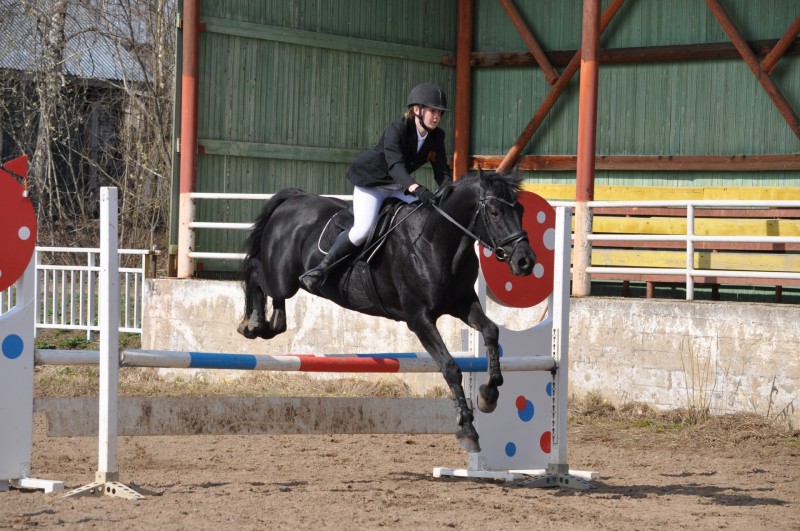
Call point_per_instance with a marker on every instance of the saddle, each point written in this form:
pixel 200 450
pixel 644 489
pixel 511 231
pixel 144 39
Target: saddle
pixel 358 273
pixel 343 220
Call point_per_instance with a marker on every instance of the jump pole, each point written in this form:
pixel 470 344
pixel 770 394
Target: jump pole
pixel 107 476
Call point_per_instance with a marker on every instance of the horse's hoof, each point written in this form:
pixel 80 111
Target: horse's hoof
pixel 247 331
pixel 468 442
pixel 487 398
pixel 267 332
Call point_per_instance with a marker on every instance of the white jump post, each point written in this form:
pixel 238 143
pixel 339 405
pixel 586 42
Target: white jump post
pixel 16 390
pixel 107 476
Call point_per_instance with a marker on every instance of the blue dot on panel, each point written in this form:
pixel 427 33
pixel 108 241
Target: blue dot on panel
pixel 526 413
pixel 12 346
pixel 500 350
pixel 511 449
pixel 550 389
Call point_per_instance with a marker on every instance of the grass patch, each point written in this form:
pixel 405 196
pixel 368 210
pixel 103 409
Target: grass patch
pixel 56 381
pixel 57 339
pixel 685 423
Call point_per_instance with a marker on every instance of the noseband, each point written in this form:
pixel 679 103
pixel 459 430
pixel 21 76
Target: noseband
pixel 495 244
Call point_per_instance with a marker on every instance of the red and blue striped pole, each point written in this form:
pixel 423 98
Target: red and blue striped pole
pixel 389 362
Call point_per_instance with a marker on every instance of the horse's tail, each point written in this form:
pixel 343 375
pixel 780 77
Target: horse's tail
pixel 253 242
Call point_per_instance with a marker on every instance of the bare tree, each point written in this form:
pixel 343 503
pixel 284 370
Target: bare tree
pixel 144 31
pixel 95 130
pixel 50 23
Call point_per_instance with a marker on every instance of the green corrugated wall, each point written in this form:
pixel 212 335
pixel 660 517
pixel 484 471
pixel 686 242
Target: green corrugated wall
pixel 291 91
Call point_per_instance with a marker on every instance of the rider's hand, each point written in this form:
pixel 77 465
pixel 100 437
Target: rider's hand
pixel 424 195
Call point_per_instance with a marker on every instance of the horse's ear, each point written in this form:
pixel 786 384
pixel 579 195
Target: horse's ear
pixel 481 175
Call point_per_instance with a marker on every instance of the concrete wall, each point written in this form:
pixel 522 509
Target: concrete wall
pixel 724 356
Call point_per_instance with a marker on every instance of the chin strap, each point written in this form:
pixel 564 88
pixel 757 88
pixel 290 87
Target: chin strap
pixel 422 120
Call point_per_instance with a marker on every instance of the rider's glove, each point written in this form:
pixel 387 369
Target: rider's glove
pixel 424 195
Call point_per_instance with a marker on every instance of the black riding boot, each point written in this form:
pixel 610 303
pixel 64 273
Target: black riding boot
pixel 341 247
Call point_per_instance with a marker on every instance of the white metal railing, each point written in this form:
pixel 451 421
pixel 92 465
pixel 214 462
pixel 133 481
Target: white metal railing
pixel 689 239
pixel 67 294
pixel 227 225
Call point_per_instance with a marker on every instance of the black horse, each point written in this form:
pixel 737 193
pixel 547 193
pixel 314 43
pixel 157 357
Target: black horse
pixel 426 268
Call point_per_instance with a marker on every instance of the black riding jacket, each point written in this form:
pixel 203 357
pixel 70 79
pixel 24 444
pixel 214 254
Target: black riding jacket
pixel 395 157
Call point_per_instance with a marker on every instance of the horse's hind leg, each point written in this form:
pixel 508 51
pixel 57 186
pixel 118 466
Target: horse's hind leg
pixel 254 321
pixel 488 392
pixel 277 320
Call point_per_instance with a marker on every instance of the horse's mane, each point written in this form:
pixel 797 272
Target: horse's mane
pixel 502 185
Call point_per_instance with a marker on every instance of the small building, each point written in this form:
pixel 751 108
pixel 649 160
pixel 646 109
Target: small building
pixel 93 71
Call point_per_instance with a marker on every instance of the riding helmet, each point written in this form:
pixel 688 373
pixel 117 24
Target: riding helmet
pixel 428 95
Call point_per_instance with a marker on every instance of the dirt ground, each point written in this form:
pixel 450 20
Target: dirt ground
pixel 649 480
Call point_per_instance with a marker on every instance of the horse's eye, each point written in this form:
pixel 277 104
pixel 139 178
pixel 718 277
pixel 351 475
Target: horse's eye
pixel 494 212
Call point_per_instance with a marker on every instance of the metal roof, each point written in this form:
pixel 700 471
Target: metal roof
pixel 90 52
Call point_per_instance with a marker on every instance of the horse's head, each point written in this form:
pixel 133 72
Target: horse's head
pixel 498 221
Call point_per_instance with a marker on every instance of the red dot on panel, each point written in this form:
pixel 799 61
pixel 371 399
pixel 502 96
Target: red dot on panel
pixel 545 442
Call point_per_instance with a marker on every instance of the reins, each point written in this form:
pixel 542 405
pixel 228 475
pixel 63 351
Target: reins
pixel 497 248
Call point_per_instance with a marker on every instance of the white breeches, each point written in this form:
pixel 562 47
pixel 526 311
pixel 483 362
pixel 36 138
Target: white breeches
pixel 366 206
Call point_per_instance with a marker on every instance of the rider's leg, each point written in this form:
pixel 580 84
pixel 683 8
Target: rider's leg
pixel 341 247
pixel 367 203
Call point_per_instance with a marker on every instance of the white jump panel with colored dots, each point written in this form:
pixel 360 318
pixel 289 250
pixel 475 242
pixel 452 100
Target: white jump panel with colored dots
pixel 16 383
pixel 517 435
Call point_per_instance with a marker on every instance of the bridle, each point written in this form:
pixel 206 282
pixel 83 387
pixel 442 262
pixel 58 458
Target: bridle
pixel 495 244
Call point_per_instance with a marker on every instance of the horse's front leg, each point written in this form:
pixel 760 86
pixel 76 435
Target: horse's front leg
pixel 488 392
pixel 425 329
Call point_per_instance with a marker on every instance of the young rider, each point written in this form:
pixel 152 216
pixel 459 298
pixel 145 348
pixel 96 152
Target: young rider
pixel 385 171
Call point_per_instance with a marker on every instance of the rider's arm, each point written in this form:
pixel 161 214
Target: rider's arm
pixel 393 144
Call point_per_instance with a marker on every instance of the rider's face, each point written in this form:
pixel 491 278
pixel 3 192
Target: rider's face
pixel 430 117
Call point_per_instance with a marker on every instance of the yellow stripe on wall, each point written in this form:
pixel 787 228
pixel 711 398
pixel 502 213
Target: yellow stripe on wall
pixel 702 260
pixel 702 226
pixel 566 192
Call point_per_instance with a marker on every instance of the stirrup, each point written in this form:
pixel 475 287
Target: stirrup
pixel 312 278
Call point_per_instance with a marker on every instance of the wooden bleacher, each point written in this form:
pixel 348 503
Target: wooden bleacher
pixel 771 257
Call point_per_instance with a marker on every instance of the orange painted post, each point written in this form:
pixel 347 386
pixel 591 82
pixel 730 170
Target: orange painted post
pixel 463 88
pixel 587 139
pixel 188 138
